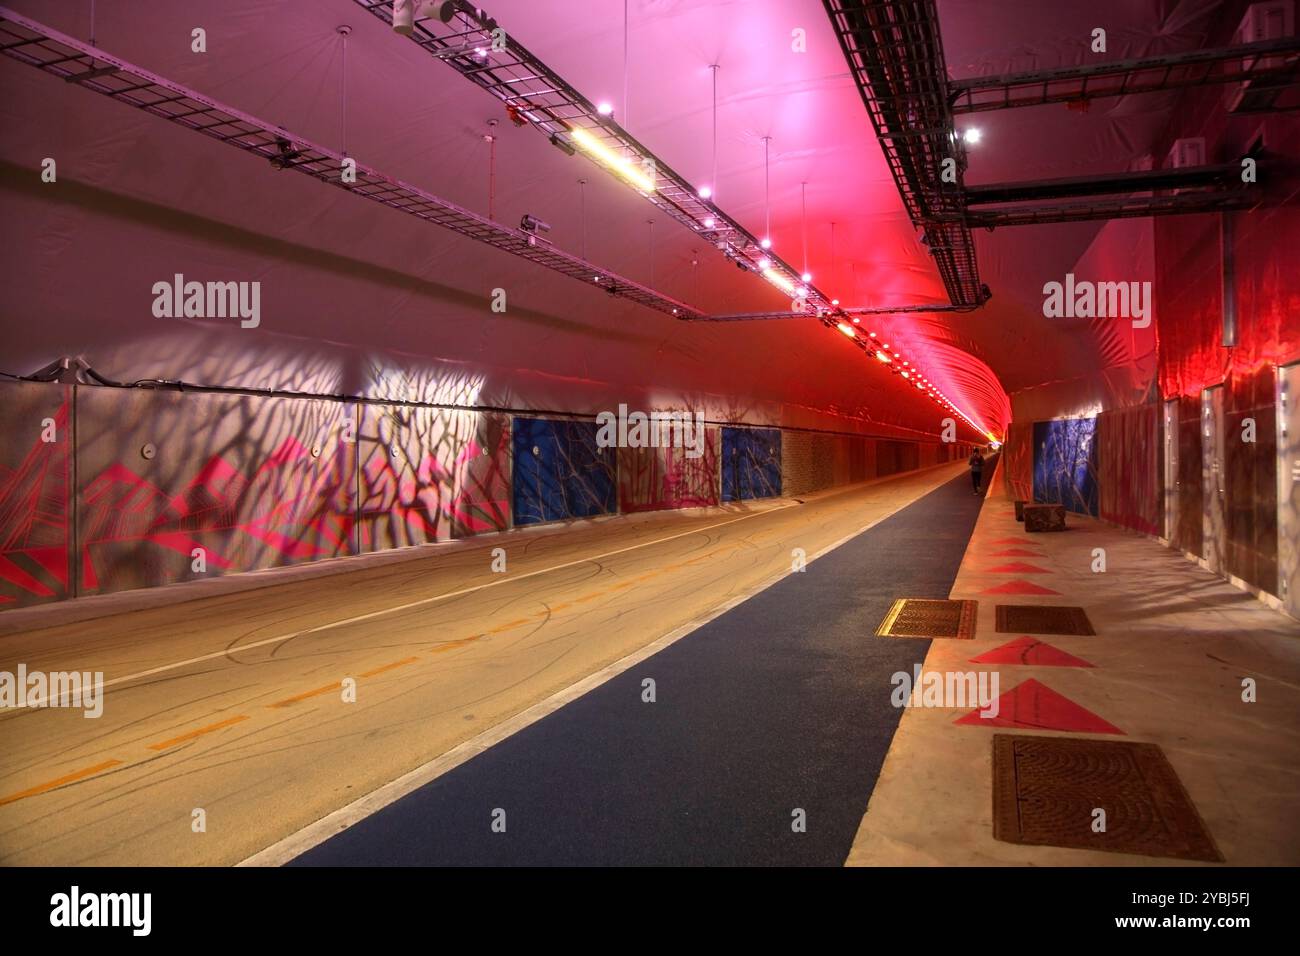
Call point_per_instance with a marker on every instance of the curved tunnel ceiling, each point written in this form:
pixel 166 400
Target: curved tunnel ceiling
pixel 414 118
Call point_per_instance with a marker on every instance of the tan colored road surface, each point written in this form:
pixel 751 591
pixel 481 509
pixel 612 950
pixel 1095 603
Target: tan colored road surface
pixel 234 704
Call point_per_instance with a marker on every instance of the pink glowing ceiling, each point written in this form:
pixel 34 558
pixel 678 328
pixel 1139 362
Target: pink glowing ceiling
pixel 352 277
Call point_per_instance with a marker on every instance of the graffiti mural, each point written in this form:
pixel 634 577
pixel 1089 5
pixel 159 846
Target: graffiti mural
pixel 751 463
pixel 1065 464
pixel 35 488
pixel 651 479
pixel 429 474
pixel 560 472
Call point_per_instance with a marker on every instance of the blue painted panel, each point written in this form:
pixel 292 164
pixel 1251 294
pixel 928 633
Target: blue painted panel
pixel 560 472
pixel 1065 464
pixel 751 463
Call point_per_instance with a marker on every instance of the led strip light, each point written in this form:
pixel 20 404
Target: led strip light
pixel 476 46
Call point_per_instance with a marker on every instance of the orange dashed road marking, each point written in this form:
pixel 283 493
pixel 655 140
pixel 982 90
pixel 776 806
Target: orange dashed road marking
pixel 305 695
pixel 54 784
pixel 328 688
pixel 390 667
pixel 198 733
pixel 452 645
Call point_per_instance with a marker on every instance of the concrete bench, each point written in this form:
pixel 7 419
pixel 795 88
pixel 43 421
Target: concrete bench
pixel 1044 517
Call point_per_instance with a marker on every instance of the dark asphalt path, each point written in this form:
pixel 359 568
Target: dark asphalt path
pixel 781 703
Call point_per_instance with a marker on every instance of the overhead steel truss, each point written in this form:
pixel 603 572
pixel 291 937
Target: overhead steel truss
pixel 1267 65
pixel 895 55
pixel 1135 207
pixel 479 48
pixel 1191 177
pixel 30 42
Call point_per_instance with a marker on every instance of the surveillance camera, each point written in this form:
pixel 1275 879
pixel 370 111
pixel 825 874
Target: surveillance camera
pixel 406 12
pixel 533 224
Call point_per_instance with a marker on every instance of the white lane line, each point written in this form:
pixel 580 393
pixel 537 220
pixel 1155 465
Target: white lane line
pixel 314 834
pixel 406 607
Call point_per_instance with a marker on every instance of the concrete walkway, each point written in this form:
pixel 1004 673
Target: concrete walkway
pixel 1173 646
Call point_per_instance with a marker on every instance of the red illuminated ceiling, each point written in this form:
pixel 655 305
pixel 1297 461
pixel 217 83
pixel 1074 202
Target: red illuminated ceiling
pixel 414 118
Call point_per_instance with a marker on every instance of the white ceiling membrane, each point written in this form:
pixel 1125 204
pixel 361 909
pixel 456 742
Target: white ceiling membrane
pixel 361 299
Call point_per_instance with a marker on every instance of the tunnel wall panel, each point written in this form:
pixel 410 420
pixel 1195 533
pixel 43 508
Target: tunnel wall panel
pixel 808 461
pixel 35 493
pixel 654 479
pixel 560 472
pixel 483 485
pixel 261 481
pixel 429 474
pixel 1065 464
pixel 751 463
pixel 253 481
pixel 1250 477
pixel 1129 468
pixel 1191 493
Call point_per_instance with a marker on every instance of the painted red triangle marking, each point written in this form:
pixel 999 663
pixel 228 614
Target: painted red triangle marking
pixel 1017 553
pixel 1019 567
pixel 1031 651
pixel 1035 706
pixel 1019 587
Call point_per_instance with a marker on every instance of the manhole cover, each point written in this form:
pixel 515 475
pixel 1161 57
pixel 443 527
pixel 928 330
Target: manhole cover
pixel 1042 619
pixel 1048 791
pixel 918 617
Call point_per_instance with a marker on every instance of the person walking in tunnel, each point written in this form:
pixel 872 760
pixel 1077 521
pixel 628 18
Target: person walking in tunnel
pixel 976 469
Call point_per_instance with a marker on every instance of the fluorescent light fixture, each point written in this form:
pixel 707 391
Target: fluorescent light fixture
pixel 778 280
pixel 622 165
pixel 883 357
pixel 847 330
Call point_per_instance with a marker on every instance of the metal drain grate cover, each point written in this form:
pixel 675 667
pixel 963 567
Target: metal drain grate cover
pixel 1042 619
pixel 922 617
pixel 1046 791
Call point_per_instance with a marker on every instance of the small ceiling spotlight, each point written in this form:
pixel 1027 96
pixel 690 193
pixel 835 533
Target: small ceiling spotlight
pixel 766 243
pixel 764 263
pixel 971 135
pixel 835 302
pixel 807 277
pixel 709 222
pixel 605 109
pixel 705 192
